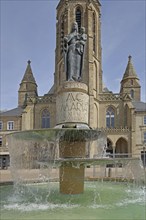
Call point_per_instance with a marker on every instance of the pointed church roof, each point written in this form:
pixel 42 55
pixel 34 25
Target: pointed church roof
pixel 28 75
pixel 130 71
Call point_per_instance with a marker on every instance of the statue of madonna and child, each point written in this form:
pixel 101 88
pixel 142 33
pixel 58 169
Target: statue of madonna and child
pixel 74 47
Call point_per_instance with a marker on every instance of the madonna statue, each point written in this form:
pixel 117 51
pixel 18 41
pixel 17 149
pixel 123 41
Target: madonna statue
pixel 74 46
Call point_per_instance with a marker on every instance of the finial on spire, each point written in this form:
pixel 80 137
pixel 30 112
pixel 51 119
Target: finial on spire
pixel 29 62
pixel 130 57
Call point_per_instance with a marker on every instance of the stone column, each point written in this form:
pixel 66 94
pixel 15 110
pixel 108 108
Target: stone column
pixel 71 177
pixel 72 110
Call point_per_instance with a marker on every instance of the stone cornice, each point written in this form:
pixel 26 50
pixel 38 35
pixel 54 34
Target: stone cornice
pixel 46 99
pixel 41 99
pixel 114 97
pixel 115 130
pixel 109 97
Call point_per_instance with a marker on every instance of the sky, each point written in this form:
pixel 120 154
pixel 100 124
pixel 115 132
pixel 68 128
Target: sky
pixel 28 32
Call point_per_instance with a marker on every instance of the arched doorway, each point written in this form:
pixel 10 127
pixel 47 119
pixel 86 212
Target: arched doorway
pixel 121 148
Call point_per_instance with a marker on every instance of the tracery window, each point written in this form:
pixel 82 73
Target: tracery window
pixel 45 119
pixel 110 118
pixel 78 18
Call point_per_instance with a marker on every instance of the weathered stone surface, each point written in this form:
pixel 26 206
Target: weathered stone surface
pixel 72 103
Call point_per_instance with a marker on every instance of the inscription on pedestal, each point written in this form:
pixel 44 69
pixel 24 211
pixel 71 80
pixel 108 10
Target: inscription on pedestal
pixel 72 107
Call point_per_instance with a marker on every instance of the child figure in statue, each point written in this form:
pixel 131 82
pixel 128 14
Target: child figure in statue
pixel 81 48
pixel 73 50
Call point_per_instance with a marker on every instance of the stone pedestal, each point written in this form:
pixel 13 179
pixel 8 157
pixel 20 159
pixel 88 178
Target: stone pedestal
pixel 72 106
pixel 71 177
pixel 72 103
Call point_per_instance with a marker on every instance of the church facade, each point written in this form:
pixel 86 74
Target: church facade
pixel 121 116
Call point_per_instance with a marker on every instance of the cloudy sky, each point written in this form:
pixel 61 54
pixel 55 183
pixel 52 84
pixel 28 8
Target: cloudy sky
pixel 28 32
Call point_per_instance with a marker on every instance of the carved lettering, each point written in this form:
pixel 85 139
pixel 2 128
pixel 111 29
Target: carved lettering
pixel 79 97
pixel 72 107
pixel 70 97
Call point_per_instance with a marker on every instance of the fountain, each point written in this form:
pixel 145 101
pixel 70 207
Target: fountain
pixel 50 170
pixel 63 148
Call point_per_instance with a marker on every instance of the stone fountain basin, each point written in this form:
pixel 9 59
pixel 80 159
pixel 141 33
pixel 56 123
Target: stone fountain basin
pixel 76 162
pixel 39 149
pixel 16 141
pixel 33 147
pixel 54 134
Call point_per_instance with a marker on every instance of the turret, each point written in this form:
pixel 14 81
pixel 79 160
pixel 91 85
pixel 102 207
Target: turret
pixel 28 86
pixel 130 82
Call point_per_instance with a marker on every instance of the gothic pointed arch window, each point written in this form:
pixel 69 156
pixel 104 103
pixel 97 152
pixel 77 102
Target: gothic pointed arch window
pixel 78 15
pixel 110 118
pixel 45 119
pixel 94 32
pixel 132 93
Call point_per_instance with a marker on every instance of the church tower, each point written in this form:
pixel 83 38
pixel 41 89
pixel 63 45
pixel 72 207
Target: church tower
pixel 87 14
pixel 130 82
pixel 28 86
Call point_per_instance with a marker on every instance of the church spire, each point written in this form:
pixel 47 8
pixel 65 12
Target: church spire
pixel 130 71
pixel 28 76
pixel 28 86
pixel 130 82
